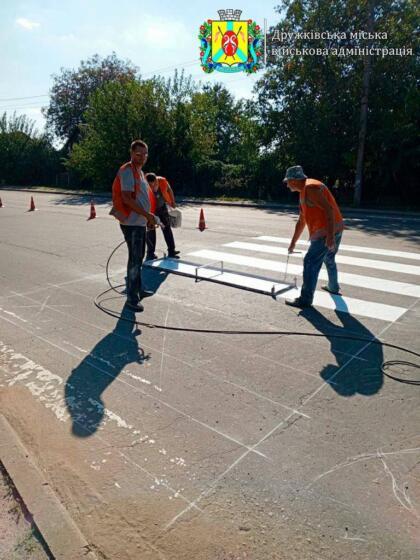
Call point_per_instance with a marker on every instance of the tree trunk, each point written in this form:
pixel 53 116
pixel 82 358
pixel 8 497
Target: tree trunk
pixel 367 67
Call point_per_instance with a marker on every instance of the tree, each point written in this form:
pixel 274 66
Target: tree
pixel 26 157
pixel 118 113
pixel 71 91
pixel 310 104
pixel 216 130
pixel 367 70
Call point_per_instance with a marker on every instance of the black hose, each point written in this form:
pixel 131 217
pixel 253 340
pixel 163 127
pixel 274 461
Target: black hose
pixel 384 367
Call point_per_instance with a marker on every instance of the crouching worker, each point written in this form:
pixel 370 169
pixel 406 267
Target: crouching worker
pixel 132 207
pixel 163 195
pixel 319 211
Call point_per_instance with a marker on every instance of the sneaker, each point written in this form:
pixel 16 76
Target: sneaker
pixel 177 252
pixel 135 306
pixel 298 302
pixel 327 289
pixel 174 255
pixel 151 257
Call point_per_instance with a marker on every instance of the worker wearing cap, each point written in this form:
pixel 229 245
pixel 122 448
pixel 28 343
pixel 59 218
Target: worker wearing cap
pixel 319 211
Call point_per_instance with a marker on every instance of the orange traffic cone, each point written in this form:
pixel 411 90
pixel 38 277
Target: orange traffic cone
pixel 202 221
pixel 32 206
pixel 92 211
pixel 1 203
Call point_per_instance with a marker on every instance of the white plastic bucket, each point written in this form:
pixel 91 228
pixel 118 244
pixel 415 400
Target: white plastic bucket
pixel 175 217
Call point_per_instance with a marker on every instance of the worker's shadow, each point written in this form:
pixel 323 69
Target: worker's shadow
pixel 151 279
pixel 105 362
pixel 356 371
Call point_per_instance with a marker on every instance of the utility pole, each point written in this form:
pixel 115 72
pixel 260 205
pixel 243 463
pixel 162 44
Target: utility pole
pixel 367 70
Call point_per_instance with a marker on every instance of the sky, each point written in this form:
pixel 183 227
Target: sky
pixel 38 38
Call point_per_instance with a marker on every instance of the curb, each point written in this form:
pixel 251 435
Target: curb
pixel 241 204
pixel 64 539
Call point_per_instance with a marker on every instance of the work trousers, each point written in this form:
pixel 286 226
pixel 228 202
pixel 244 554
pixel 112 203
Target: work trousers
pixel 163 215
pixel 317 254
pixel 135 237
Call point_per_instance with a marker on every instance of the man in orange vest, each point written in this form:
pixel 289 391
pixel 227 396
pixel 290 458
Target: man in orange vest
pixel 132 207
pixel 163 195
pixel 319 211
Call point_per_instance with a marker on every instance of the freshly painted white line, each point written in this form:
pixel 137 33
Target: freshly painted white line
pixel 354 248
pixel 343 259
pixel 361 281
pixel 353 306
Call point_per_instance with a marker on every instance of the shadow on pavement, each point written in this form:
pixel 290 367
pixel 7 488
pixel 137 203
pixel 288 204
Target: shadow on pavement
pixel 153 278
pixel 392 226
pixel 105 362
pixel 363 374
pixel 81 200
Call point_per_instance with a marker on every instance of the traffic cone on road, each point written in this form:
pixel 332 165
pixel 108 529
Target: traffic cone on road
pixel 202 221
pixel 92 211
pixel 32 206
pixel 1 203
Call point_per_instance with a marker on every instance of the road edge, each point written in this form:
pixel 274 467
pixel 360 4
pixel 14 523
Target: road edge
pixel 58 529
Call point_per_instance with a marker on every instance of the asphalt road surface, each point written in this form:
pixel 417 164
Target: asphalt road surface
pixel 179 444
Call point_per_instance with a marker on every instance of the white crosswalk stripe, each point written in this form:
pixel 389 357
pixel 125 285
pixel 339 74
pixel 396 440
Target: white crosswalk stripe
pixel 361 281
pixel 341 259
pixel 357 307
pixel 367 284
pixel 344 247
pixel 322 299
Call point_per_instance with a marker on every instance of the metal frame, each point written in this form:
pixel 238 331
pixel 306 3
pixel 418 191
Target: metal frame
pixel 205 266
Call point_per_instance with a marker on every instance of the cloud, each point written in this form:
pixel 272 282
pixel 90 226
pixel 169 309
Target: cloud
pixel 27 23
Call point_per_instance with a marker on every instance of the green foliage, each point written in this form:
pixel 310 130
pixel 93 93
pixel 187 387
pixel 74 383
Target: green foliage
pixel 311 104
pixel 118 113
pixel 72 88
pixel 26 157
pixel 202 140
pixel 206 142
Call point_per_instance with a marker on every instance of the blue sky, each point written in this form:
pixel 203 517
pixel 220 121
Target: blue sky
pixel 38 38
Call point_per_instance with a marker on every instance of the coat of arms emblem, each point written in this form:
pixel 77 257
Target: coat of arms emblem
pixel 230 44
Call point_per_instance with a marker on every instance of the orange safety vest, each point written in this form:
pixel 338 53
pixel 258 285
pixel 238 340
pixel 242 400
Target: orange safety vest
pixel 164 188
pixel 120 210
pixel 315 217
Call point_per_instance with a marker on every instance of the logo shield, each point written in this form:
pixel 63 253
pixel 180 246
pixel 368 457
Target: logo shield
pixel 229 44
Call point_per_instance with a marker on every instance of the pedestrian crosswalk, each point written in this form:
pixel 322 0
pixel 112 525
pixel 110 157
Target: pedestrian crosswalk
pixel 262 263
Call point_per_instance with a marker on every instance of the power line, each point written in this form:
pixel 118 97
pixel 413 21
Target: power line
pixel 186 64
pixel 20 98
pixel 151 72
pixel 19 107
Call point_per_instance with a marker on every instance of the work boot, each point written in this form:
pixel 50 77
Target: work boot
pixel 151 257
pixel 174 255
pixel 298 302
